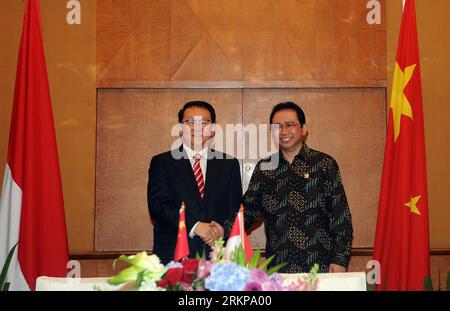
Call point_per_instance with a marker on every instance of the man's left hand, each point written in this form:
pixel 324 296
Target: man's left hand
pixel 334 268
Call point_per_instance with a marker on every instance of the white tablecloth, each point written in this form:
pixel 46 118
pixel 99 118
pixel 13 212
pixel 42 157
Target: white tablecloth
pixel 348 281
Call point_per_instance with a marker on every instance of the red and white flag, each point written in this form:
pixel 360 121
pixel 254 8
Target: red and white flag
pixel 182 247
pixel 238 237
pixel 31 204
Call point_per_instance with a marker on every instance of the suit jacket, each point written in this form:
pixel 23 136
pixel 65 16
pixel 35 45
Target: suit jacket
pixel 172 181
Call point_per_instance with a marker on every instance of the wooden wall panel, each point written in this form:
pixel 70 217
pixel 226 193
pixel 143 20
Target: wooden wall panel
pixel 168 42
pixel 133 126
pixel 348 124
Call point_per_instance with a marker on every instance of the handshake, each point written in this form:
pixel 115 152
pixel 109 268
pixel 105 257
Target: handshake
pixel 209 232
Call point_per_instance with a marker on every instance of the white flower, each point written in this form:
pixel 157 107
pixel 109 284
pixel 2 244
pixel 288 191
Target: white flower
pixel 150 266
pixel 150 286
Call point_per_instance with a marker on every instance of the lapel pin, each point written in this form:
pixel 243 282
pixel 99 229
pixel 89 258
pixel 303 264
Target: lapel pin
pixel 306 175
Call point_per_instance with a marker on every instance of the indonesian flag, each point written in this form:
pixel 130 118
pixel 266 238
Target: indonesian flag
pixel 31 204
pixel 182 248
pixel 402 235
pixel 238 237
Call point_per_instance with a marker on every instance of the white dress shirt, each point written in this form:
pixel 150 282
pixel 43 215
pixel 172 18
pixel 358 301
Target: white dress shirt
pixel 203 162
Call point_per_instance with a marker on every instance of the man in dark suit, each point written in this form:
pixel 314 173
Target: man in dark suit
pixel 209 182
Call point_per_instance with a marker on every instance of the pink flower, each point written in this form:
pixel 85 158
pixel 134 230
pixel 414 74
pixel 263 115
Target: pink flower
pixel 253 287
pixel 204 269
pixel 271 286
pixel 257 275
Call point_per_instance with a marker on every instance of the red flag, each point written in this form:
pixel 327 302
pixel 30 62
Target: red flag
pixel 238 236
pixel 182 248
pixel 31 205
pixel 402 235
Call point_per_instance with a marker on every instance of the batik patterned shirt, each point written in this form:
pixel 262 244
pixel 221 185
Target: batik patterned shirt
pixel 305 211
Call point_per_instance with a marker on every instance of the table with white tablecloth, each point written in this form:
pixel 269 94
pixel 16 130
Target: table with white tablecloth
pixel 349 281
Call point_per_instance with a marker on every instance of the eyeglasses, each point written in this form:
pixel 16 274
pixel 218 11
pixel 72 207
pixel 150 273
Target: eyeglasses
pixel 192 122
pixel 288 125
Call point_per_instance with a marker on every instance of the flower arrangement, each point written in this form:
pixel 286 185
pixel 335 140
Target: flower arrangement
pixel 221 273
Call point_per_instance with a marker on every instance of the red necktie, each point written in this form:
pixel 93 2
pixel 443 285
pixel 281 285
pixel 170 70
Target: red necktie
pixel 199 175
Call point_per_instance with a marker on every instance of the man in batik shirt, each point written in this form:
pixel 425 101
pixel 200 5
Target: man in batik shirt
pixel 301 200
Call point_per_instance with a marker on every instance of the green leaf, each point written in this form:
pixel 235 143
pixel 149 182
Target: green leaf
pixel 266 262
pixel 237 255
pixel 126 275
pixel 255 259
pixel 242 257
pixel 275 268
pixel 313 273
pixel 428 284
pixel 140 278
pixel 5 286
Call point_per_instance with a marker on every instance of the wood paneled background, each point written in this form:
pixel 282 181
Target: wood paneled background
pixel 251 53
pixel 135 124
pixel 194 42
pixel 174 44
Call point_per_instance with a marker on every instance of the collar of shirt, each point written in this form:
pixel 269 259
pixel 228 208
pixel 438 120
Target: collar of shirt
pixel 204 157
pixel 303 155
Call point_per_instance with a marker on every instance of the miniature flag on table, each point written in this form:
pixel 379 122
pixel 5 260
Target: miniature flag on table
pixel 402 235
pixel 182 248
pixel 238 237
pixel 31 204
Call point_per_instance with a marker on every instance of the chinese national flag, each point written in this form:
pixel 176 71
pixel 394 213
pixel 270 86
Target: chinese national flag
pixel 31 204
pixel 182 248
pixel 402 236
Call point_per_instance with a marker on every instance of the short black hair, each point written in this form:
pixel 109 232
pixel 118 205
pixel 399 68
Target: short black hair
pixel 200 104
pixel 289 105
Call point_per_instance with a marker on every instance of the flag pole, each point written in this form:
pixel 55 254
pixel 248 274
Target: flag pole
pixel 241 225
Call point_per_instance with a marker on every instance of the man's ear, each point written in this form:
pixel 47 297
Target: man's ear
pixel 305 129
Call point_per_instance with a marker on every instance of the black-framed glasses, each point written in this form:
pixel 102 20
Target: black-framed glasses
pixel 192 122
pixel 288 125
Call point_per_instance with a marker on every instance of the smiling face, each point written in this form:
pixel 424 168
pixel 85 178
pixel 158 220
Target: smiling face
pixel 290 131
pixel 197 127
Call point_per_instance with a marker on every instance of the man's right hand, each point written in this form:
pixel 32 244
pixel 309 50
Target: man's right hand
pixel 209 232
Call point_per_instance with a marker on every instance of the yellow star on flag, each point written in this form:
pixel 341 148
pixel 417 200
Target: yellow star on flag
pixel 182 225
pixel 399 102
pixel 413 205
